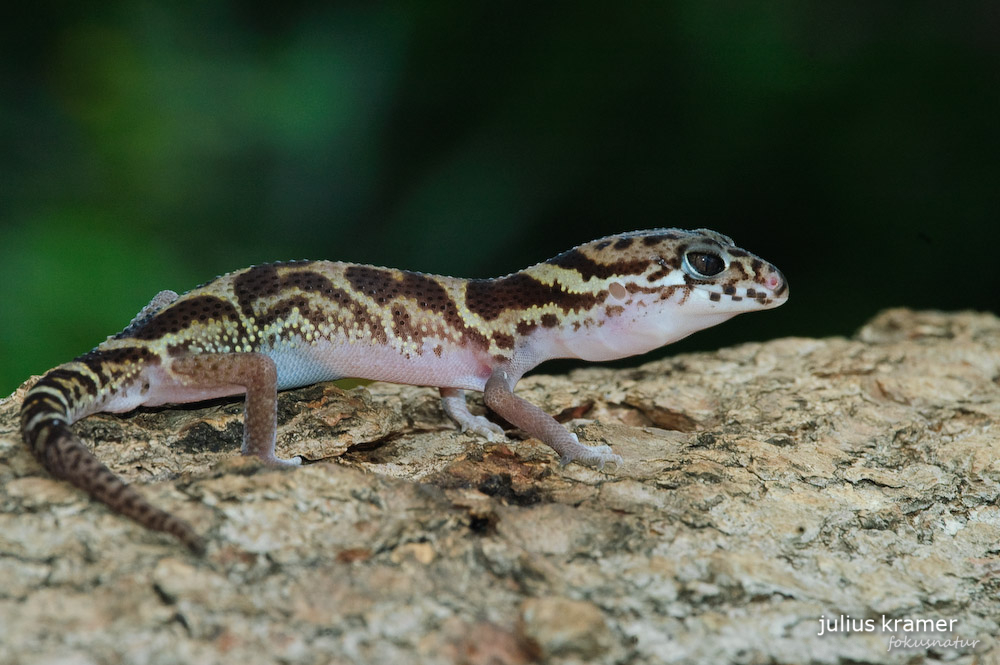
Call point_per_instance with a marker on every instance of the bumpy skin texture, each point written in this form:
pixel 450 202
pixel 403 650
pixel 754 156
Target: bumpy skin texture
pixel 283 325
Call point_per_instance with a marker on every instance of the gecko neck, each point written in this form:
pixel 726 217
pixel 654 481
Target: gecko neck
pixel 641 326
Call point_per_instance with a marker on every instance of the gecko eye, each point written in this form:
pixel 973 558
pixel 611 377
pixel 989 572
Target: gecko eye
pixel 702 265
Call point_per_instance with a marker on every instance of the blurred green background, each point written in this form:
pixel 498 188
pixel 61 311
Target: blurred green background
pixel 146 146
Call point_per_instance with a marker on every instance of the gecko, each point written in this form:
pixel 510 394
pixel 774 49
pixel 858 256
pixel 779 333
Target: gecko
pixel 275 326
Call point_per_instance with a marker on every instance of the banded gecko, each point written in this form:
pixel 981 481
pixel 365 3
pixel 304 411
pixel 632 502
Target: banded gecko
pixel 283 325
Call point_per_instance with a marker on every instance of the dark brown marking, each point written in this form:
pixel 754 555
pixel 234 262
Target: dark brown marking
pixel 47 399
pixel 254 284
pixel 282 310
pixel 737 266
pixel 737 299
pixel 729 289
pixel 751 293
pixel 72 390
pixel 432 297
pixel 438 350
pixel 73 376
pixel 108 364
pixel 263 281
pixel 307 280
pixel 659 274
pixel 657 238
pixel 525 327
pixel 401 323
pixel 624 243
pixel 603 244
pixel 472 337
pixel 490 297
pixel 182 348
pixel 39 405
pixel 588 268
pixel 667 292
pixel 127 354
pixel 738 253
pixel 613 310
pixel 503 340
pixel 715 297
pixel 358 314
pixel 384 285
pixel 379 284
pixel 632 287
pixel 668 265
pixel 550 320
pixel 180 314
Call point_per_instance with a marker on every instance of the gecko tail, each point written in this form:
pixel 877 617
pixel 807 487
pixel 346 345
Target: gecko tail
pixel 45 426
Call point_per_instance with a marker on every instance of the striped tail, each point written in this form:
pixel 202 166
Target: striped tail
pixel 46 415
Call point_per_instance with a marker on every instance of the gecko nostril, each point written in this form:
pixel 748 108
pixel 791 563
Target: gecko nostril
pixel 776 282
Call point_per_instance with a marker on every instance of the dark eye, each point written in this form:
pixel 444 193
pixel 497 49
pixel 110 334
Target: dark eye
pixel 702 265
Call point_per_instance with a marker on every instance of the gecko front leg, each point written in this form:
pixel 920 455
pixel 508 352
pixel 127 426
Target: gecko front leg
pixel 499 396
pixel 257 374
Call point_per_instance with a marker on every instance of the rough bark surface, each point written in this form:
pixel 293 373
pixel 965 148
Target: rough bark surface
pixel 765 487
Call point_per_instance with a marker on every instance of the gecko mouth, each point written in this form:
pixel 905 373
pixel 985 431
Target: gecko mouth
pixel 763 294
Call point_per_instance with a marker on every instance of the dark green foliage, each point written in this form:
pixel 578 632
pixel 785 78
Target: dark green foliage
pixel 146 146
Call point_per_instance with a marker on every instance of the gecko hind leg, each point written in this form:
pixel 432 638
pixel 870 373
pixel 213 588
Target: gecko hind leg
pixel 257 374
pixel 454 404
pixel 500 397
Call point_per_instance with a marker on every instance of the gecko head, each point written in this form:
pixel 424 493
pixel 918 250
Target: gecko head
pixel 655 287
pixel 720 277
pixel 695 272
pixel 674 282
pixel 699 272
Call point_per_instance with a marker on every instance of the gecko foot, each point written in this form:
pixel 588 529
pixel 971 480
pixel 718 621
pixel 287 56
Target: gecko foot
pixel 483 427
pixel 453 402
pixel 593 456
pixel 274 460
